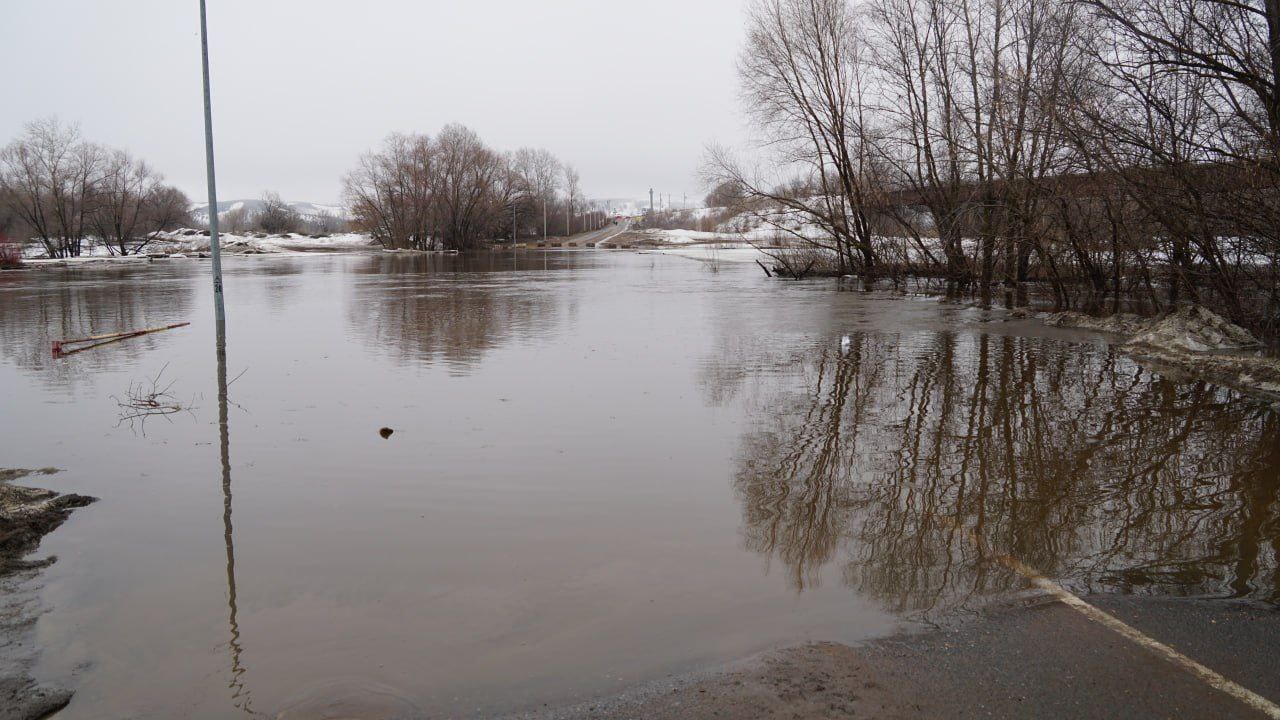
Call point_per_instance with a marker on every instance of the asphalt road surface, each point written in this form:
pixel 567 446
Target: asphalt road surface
pixel 1042 659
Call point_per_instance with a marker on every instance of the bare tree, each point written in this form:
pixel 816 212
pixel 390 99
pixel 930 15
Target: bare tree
pixel 235 220
pixel 47 177
pixel 468 175
pixel 450 191
pixel 540 171
pixel 572 188
pixel 276 215
pixel 131 204
pixel 804 79
pixel 165 208
pixel 325 223
pixel 1101 145
pixel 1189 126
pixel 391 193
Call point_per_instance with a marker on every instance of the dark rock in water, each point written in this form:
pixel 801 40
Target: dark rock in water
pixel 26 516
pixel 22 699
pixel 385 432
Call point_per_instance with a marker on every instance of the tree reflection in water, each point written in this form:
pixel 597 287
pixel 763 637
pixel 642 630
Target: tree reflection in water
pixel 452 310
pixel 890 449
pixel 39 306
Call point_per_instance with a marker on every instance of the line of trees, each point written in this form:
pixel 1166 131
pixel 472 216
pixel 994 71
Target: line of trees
pixel 454 192
pixel 1110 146
pixel 59 189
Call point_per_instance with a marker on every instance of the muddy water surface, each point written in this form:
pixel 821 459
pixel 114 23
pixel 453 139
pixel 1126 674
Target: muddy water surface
pixel 605 468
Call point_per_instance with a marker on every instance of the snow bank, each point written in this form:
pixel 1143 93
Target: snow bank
pixel 188 242
pixel 184 241
pixel 1197 330
pixel 684 237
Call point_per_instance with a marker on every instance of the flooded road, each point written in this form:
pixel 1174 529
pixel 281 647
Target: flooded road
pixel 605 468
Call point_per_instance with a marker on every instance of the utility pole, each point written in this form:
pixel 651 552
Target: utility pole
pixel 650 201
pixel 215 250
pixel 544 219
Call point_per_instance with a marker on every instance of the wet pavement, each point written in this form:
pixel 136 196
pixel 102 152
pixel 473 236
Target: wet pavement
pixel 608 469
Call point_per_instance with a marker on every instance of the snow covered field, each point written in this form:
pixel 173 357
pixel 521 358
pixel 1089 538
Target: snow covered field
pixel 682 237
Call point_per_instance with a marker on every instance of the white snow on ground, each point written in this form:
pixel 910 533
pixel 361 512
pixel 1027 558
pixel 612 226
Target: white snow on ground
pixel 181 241
pixel 35 251
pixel 681 237
pixel 705 212
pixel 190 243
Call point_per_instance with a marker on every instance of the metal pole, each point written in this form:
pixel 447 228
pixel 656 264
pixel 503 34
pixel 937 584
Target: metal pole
pixel 215 250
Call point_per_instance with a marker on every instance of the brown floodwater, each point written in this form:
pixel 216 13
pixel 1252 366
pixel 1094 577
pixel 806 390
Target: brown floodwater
pixel 602 468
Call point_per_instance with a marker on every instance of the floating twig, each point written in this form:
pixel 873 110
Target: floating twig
pixel 142 402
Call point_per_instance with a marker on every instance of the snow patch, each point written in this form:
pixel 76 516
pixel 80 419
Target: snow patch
pixel 1196 330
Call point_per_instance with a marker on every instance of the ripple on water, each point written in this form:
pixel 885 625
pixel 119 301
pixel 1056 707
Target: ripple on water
pixel 349 699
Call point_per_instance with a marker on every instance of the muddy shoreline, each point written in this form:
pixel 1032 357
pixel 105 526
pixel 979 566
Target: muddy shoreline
pixel 804 682
pixel 1035 658
pixel 27 514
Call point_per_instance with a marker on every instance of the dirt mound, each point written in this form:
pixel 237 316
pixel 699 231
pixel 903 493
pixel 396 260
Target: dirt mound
pixel 1195 329
pixel 1120 323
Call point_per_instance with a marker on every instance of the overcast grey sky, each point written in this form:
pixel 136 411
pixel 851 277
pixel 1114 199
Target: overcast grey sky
pixel 629 92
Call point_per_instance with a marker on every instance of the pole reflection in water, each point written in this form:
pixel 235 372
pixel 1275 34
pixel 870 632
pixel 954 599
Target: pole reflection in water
pixel 240 696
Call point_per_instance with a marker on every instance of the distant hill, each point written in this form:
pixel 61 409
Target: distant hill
pixel 200 211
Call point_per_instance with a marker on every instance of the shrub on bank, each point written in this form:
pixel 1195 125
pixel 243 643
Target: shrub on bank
pixel 10 255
